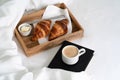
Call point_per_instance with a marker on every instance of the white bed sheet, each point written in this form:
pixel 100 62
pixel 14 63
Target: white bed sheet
pixel 99 18
pixel 12 66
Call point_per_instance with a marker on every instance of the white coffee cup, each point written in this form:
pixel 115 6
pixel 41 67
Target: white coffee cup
pixel 71 54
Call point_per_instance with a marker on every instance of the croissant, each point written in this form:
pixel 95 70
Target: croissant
pixel 58 29
pixel 42 29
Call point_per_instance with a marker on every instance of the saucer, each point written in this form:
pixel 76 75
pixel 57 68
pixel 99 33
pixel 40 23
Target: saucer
pixel 81 65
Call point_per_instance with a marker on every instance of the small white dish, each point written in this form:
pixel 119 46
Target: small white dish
pixel 25 29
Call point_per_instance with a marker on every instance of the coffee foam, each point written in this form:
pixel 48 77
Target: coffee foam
pixel 70 51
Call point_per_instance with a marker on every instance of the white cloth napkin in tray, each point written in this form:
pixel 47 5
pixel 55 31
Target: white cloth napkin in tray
pixel 54 13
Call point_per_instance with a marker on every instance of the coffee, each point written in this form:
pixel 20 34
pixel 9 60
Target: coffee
pixel 71 54
pixel 70 51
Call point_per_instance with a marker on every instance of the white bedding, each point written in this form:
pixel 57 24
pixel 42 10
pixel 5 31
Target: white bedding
pixel 11 67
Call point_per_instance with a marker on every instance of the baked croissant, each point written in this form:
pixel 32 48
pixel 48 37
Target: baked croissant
pixel 58 29
pixel 42 29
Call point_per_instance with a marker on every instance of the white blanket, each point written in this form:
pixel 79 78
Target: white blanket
pixel 11 67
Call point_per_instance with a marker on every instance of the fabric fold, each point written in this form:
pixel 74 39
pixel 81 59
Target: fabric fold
pixel 11 67
pixel 59 74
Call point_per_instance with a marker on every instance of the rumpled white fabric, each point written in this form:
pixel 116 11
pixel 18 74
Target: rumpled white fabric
pixel 11 67
pixel 59 74
pixel 37 4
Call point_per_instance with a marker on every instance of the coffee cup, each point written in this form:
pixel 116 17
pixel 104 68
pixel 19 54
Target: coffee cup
pixel 71 54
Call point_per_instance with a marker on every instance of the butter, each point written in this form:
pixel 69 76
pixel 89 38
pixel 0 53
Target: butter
pixel 25 28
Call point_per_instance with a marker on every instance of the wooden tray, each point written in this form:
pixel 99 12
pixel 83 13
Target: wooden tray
pixel 31 48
